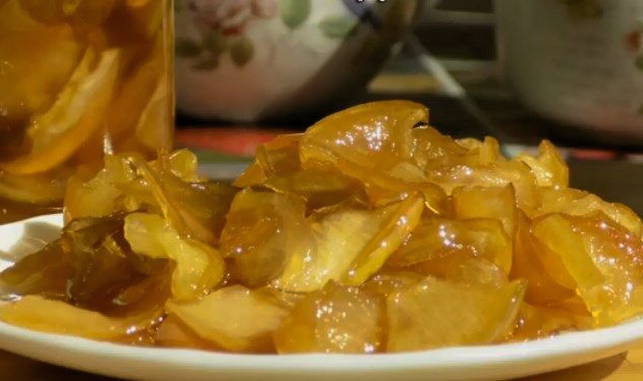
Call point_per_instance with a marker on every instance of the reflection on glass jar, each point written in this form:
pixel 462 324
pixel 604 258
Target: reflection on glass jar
pixel 78 80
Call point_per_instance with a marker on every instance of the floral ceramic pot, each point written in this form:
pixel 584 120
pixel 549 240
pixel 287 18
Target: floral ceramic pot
pixel 579 62
pixel 247 60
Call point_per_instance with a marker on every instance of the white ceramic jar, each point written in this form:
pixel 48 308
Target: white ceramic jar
pixel 246 60
pixel 579 62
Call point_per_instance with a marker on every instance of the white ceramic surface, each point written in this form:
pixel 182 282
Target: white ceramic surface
pixel 247 60
pixel 577 62
pixel 462 363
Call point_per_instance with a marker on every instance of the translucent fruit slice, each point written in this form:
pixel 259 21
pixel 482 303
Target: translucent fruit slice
pixel 548 167
pixel 440 313
pixel 372 142
pixel 233 318
pixel 174 333
pixel 336 319
pixel 38 313
pixel 601 261
pixel 580 203
pixel 85 12
pixel 78 112
pixel 486 202
pixel 463 268
pixel 277 167
pixel 530 263
pixel 363 140
pixel 351 244
pixel 169 186
pixel 32 77
pixel 387 282
pixel 537 322
pixel 34 189
pixel 199 267
pixel 263 230
pixel 438 237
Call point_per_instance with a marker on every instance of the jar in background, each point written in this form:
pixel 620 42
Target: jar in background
pixel 78 80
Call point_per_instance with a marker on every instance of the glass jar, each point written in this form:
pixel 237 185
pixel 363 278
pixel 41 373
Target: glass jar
pixel 79 79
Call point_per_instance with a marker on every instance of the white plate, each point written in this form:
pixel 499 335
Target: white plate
pixel 476 362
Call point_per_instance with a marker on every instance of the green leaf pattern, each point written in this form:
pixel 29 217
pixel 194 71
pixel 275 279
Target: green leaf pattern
pixel 213 45
pixel 295 12
pixel 242 51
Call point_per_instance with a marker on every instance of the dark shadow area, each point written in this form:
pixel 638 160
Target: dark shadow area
pixel 14 367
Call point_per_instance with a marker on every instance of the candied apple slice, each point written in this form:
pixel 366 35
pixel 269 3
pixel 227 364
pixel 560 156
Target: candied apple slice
pixel 529 263
pixel 372 142
pixel 439 313
pixel 37 61
pixel 262 230
pixel 169 186
pixel 363 141
pixel 85 12
pixel 44 189
pixel 77 113
pixel 548 167
pixel 233 318
pixel 277 167
pixel 336 319
pixel 199 267
pixel 174 333
pixel 387 282
pixel 38 313
pixel 351 244
pixel 464 268
pixel 537 322
pixel 580 203
pixel 486 202
pixel 602 261
pixel 438 237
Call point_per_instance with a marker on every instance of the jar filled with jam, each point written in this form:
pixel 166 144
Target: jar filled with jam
pixel 79 79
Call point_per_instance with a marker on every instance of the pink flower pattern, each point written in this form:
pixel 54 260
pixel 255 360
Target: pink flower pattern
pixel 230 17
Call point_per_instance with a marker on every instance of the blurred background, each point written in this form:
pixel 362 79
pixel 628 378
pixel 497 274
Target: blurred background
pixel 565 70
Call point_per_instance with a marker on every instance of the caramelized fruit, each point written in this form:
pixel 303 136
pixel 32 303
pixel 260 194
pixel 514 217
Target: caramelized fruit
pixel 371 232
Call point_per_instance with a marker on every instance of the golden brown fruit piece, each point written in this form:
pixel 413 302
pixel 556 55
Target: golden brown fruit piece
pixel 538 322
pixel 78 12
pixel 549 168
pixel 174 333
pixel 351 244
pixel 169 186
pixel 364 141
pixel 262 230
pixel 464 268
pixel 470 162
pixel 438 237
pixel 199 267
pixel 486 202
pixel 336 319
pixel 277 167
pixel 37 62
pixel 45 189
pixel 372 143
pixel 529 264
pixel 37 313
pixel 387 282
pixel 233 318
pixel 580 203
pixel 599 259
pixel 438 313
pixel 77 113
pixel 92 266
